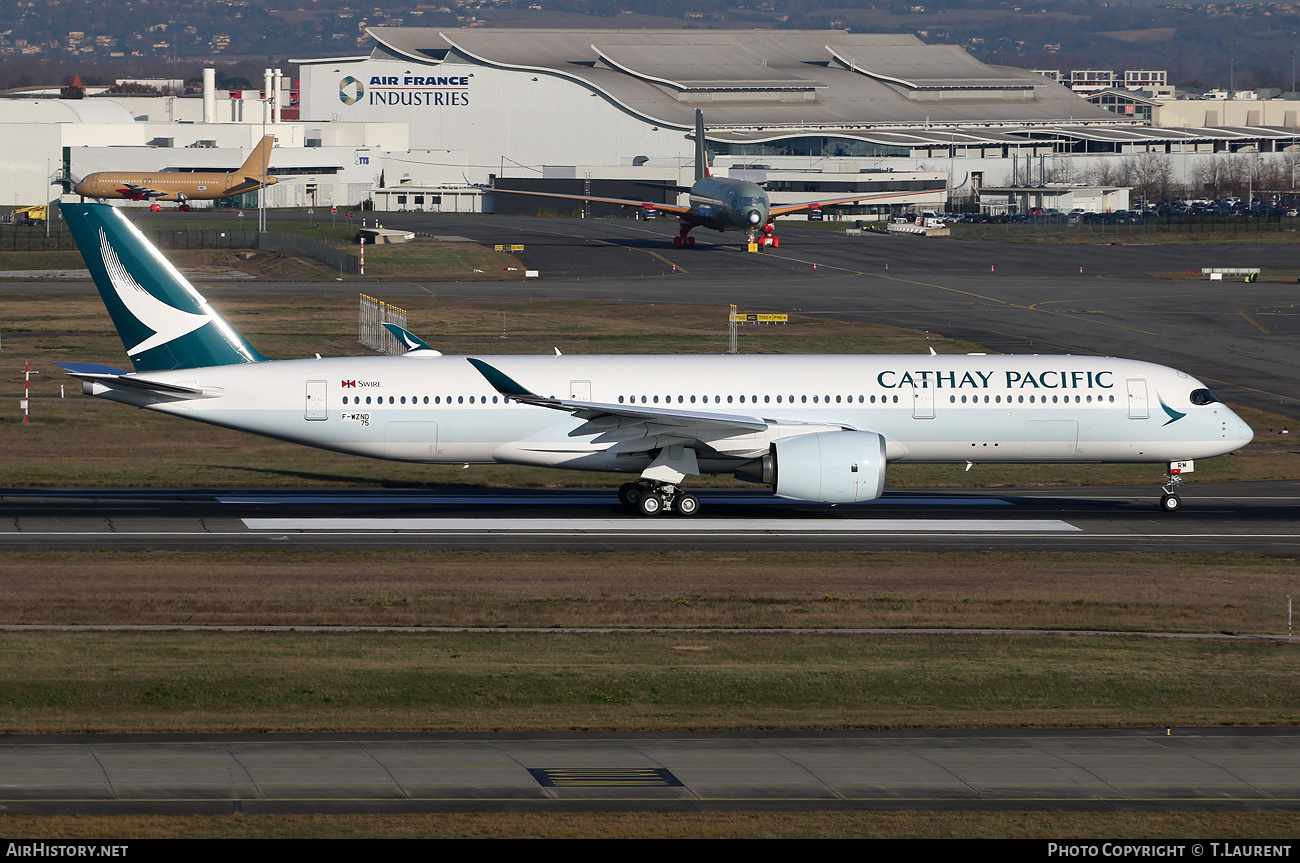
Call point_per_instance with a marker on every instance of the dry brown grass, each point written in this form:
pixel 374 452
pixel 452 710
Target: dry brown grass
pixel 432 261
pixel 1055 826
pixel 769 589
pixel 108 682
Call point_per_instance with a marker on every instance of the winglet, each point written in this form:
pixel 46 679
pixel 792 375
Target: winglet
pixel 506 385
pixel 413 342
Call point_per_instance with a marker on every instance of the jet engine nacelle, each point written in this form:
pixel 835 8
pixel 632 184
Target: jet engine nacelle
pixel 830 467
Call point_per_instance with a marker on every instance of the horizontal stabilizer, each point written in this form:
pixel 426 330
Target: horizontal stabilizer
pixel 625 202
pixel 671 187
pixel 112 377
pixel 413 342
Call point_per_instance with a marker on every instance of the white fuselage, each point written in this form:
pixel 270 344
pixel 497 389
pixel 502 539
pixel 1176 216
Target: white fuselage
pixel 944 408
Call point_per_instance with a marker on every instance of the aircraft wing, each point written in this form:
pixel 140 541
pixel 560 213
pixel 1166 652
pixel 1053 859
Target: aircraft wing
pixel 786 209
pixel 640 428
pixel 627 202
pixel 144 191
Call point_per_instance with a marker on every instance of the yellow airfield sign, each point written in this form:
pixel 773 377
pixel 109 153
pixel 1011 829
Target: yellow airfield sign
pixel 748 318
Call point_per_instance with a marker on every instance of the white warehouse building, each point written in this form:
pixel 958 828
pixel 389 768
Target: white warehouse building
pixel 503 107
pixel 433 119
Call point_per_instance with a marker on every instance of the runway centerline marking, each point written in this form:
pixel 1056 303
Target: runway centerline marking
pixel 667 525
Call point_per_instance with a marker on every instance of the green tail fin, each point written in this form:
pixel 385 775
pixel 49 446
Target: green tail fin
pixel 163 321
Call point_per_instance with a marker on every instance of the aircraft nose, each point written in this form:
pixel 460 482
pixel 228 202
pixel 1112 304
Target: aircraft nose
pixel 1239 432
pixel 754 217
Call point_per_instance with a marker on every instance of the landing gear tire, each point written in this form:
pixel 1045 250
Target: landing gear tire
pixel 1171 503
pixel 651 504
pixel 686 505
pixel 625 492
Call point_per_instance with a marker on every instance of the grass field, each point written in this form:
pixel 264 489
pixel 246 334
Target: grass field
pixel 1055 826
pixel 733 655
pixel 423 259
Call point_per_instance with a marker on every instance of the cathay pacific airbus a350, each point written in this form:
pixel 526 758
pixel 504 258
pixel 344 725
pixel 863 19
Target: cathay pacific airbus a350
pixel 816 428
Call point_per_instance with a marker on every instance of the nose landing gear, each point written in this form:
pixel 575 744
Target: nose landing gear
pixel 764 238
pixel 1170 501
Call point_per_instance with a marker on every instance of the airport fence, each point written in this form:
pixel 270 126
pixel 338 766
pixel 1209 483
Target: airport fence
pixel 344 262
pixel 33 239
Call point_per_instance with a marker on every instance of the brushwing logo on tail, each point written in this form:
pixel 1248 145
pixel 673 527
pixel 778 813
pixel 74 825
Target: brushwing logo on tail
pixel 166 321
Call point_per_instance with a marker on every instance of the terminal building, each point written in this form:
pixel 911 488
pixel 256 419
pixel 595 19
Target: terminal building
pixel 438 119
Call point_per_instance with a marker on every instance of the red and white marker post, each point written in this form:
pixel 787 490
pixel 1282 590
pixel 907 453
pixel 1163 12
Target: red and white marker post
pixel 27 390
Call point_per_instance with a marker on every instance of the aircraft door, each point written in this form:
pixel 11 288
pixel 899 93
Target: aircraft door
pixel 411 440
pixel 1138 407
pixel 1051 439
pixel 317 407
pixel 922 403
pixel 580 391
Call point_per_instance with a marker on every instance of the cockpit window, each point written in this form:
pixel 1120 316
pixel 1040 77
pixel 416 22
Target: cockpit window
pixel 1203 397
pixel 750 202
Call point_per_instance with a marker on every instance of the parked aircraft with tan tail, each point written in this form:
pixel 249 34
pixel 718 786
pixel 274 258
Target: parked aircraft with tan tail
pixel 182 186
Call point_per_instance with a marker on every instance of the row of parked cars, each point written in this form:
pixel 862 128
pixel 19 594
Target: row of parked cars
pixel 1225 208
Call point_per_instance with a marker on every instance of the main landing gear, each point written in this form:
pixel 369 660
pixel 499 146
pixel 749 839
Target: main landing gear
pixel 683 238
pixel 651 498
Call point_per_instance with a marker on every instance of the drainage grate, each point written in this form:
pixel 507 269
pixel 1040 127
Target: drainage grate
pixel 568 777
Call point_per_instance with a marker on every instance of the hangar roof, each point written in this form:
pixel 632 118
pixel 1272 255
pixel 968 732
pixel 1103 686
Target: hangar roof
pixel 804 81
pixel 65 111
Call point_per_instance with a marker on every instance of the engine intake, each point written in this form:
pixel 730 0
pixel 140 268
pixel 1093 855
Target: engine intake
pixel 829 467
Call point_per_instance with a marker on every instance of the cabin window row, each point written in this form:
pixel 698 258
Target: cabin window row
pixel 754 399
pixel 824 399
pixel 1078 399
pixel 415 400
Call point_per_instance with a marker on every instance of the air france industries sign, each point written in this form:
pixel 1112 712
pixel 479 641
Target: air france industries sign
pixel 412 90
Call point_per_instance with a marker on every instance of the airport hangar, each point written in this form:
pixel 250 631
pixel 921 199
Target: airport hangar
pixel 810 113
pixel 430 119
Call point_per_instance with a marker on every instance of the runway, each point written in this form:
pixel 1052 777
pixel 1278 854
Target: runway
pixel 1263 518
pixel 1085 770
